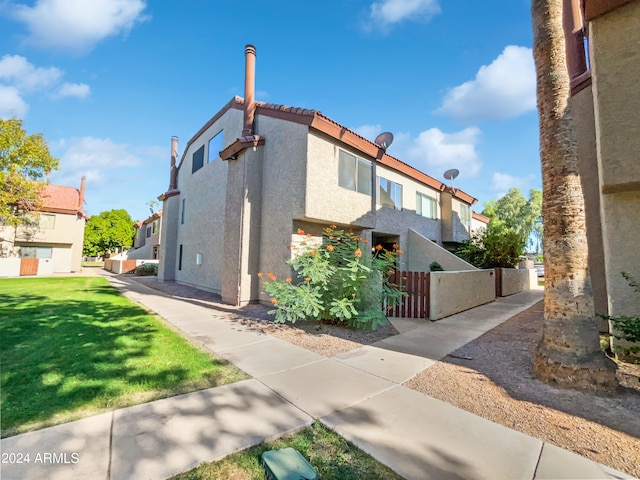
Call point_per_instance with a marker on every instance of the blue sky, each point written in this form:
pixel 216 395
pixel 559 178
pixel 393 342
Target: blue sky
pixel 108 82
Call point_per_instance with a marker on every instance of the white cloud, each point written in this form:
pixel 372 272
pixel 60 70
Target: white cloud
pixel 11 103
pixel 17 71
pixel 370 132
pixel 80 90
pixel 434 151
pixel 93 158
pixel 386 13
pixel 504 89
pixel 502 182
pixel 77 25
pixel 19 78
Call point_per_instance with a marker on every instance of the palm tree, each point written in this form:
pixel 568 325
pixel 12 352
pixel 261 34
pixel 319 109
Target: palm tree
pixel 569 352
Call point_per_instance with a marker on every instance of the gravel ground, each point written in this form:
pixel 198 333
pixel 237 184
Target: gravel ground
pixel 498 384
pixel 493 379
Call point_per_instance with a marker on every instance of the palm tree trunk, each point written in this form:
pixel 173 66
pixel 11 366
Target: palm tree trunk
pixel 569 352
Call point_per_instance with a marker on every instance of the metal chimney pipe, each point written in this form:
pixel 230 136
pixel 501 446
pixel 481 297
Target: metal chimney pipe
pixel 173 182
pixel 83 181
pixel 249 89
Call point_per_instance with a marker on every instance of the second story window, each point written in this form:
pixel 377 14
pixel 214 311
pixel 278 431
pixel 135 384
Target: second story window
pixel 154 227
pixel 182 213
pixel 215 145
pixel 148 232
pixel 198 160
pixel 465 215
pixel 389 194
pixel 354 173
pixel 426 206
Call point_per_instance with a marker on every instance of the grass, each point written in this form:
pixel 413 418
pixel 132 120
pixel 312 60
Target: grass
pixel 331 455
pixel 93 264
pixel 74 347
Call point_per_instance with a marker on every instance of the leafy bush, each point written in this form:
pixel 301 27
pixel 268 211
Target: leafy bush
pixel 435 267
pixel 147 269
pixel 625 327
pixel 336 282
pixel 492 247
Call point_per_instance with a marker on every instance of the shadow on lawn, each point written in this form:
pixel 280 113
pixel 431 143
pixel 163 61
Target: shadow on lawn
pixel 58 356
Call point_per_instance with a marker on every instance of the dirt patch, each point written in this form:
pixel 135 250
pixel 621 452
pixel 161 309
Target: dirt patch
pixel 497 383
pixel 327 340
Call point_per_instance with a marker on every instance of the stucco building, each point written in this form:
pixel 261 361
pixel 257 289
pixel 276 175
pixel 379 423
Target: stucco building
pixel 146 242
pixel 605 103
pixel 51 241
pixel 256 173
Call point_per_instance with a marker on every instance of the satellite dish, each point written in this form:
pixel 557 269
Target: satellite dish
pixel 384 140
pixel 451 174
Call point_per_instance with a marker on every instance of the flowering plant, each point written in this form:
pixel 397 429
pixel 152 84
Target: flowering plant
pixel 336 282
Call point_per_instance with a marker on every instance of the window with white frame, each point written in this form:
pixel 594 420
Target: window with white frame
pixel 154 226
pixel 354 173
pixel 426 206
pixel 36 252
pixel 215 146
pixel 465 215
pixel 389 193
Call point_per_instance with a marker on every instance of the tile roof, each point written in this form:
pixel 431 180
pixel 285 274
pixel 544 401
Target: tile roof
pixel 319 121
pixel 60 199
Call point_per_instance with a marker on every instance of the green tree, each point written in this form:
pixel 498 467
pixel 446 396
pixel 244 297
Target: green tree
pixel 495 246
pixel 518 214
pixel 107 232
pixel 25 161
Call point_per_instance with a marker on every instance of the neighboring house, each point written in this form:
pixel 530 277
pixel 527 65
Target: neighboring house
pixel 257 173
pixel 478 221
pixel 605 102
pixel 146 243
pixel 51 241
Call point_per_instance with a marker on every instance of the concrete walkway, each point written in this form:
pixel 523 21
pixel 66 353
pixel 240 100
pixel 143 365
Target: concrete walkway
pixel 358 394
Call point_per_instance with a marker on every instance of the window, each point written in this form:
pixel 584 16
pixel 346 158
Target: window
pixel 465 215
pixel 198 159
pixel 215 145
pixel 389 194
pixel 354 173
pixel 148 232
pixel 35 252
pixel 182 214
pixel 47 221
pixel 180 258
pixel 154 227
pixel 426 206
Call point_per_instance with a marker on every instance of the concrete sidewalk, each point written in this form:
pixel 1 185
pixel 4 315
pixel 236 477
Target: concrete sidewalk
pixel 358 394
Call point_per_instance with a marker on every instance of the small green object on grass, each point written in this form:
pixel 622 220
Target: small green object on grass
pixel 287 464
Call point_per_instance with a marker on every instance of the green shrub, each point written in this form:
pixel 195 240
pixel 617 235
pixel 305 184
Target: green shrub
pixel 626 327
pixel 492 247
pixel 336 282
pixel 435 267
pixel 147 269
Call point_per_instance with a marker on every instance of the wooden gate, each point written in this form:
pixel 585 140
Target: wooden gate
pixel 28 266
pixel 416 303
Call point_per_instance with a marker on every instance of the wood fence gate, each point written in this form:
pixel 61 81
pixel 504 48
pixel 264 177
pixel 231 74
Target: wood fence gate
pixel 29 266
pixel 416 303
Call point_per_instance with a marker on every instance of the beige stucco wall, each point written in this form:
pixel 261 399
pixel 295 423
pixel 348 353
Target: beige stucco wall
pixel 204 196
pixel 453 292
pixel 515 280
pixel 615 63
pixel 9 267
pixel 421 252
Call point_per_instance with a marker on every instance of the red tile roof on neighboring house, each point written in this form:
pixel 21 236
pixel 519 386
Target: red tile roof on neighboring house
pixel 480 217
pixel 150 219
pixel 59 199
pixel 316 120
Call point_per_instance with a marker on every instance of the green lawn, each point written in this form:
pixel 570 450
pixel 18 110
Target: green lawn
pixel 73 347
pixel 330 454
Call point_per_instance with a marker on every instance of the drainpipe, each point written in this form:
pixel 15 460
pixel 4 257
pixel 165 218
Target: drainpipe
pixel 249 89
pixel 173 182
